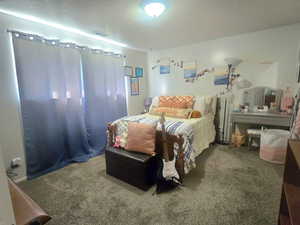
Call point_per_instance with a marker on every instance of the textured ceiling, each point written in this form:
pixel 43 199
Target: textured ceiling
pixel 185 22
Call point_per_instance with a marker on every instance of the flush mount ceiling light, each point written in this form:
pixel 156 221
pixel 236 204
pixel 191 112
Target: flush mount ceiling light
pixel 154 8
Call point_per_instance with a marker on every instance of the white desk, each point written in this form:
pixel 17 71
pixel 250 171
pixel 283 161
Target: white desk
pixel 271 119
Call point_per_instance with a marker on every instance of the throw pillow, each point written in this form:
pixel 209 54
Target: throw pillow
pixel 141 138
pixel 196 114
pixel 171 112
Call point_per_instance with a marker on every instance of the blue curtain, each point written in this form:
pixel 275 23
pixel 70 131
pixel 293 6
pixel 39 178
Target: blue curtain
pixel 105 95
pixel 56 116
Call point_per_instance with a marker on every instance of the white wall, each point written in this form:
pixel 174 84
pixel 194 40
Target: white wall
pixel 11 135
pixel 278 46
pixel 6 212
pixel 136 103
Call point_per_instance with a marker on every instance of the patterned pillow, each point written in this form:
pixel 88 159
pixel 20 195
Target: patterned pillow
pixel 122 132
pixel 141 138
pixel 171 112
pixel 176 101
pixel 165 101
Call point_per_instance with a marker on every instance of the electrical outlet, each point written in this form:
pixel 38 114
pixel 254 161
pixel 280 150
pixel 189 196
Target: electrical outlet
pixel 15 163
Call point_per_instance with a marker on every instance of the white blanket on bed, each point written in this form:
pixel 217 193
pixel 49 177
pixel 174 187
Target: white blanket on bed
pixel 197 133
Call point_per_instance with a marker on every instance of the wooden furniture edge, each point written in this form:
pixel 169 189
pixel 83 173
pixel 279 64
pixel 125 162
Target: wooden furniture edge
pixel 294 144
pixel 290 194
pixel 293 204
pixel 25 209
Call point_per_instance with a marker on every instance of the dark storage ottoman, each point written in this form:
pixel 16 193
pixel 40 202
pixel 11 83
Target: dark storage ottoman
pixel 137 169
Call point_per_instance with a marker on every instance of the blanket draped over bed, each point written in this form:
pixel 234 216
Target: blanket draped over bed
pixel 197 133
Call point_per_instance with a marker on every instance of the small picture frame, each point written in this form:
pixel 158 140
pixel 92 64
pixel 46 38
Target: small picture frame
pixel 128 71
pixel 221 79
pixel 190 73
pixel 134 86
pixel 164 66
pixel 139 72
pixel 164 69
pixel 190 69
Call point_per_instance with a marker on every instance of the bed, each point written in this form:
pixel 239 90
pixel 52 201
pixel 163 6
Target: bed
pixel 197 133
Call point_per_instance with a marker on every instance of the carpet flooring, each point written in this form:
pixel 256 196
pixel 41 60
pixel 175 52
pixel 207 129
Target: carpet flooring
pixel 230 186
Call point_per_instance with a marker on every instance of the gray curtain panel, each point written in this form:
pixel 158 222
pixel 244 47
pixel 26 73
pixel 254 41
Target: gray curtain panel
pixel 105 94
pixel 61 125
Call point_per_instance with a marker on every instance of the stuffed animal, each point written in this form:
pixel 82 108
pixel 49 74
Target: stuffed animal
pixel 237 139
pixel 117 142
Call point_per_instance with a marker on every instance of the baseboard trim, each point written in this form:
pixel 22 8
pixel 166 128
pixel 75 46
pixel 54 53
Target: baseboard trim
pixel 20 179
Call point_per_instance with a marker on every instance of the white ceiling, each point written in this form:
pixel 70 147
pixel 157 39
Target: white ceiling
pixel 185 22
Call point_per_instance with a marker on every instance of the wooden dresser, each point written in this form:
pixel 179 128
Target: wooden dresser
pixel 289 213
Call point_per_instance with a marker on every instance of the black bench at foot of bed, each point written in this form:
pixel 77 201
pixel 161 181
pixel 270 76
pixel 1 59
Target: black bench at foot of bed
pixel 137 169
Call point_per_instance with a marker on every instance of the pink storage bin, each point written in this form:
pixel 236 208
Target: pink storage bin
pixel 273 145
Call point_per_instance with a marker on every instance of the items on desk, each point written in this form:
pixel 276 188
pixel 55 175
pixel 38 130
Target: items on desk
pixel 273 107
pixel 270 97
pixel 243 108
pixel 287 101
pixel 246 108
pixel 263 108
pixel 256 108
pixel 260 96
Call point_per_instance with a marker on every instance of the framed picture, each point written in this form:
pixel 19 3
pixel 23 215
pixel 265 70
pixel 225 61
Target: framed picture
pixel 164 66
pixel 164 69
pixel 221 79
pixel 139 72
pixel 128 71
pixel 190 70
pixel 134 86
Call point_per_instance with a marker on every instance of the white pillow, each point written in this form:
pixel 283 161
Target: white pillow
pixel 155 102
pixel 205 104
pixel 200 104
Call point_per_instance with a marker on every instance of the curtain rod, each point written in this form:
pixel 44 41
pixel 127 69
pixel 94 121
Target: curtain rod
pixel 57 42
